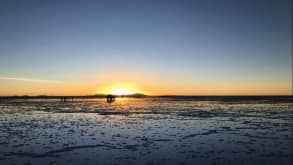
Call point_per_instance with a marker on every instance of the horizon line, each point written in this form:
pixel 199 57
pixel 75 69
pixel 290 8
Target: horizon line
pixel 168 95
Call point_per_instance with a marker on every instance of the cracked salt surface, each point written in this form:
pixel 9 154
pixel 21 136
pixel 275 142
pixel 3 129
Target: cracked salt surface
pixel 146 131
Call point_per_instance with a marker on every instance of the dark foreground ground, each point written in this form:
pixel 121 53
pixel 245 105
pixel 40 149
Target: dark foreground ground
pixel 168 130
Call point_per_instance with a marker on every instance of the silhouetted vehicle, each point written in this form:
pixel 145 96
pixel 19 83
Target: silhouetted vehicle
pixel 110 98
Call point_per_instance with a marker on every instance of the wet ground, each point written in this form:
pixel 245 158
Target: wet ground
pixel 146 131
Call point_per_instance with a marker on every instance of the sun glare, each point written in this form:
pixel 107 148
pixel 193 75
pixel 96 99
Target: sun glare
pixel 121 91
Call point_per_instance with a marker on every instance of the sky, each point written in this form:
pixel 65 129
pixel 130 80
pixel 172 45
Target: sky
pixel 156 47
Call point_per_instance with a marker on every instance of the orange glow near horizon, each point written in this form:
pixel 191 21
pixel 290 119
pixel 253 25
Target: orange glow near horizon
pixel 134 83
pixel 120 89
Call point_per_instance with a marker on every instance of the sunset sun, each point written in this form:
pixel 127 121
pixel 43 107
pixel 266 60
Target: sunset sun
pixel 121 88
pixel 121 91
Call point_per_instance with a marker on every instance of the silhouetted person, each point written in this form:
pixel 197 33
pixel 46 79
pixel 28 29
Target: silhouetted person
pixel 63 99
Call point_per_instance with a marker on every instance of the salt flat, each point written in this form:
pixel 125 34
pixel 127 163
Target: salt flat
pixel 146 131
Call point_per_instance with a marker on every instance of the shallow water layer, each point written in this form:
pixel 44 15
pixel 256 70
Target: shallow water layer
pixel 146 131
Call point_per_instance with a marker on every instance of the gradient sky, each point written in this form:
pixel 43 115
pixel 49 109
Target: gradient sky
pixel 192 47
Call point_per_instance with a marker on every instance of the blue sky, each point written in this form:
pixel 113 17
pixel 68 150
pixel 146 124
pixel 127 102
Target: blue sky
pixel 244 44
